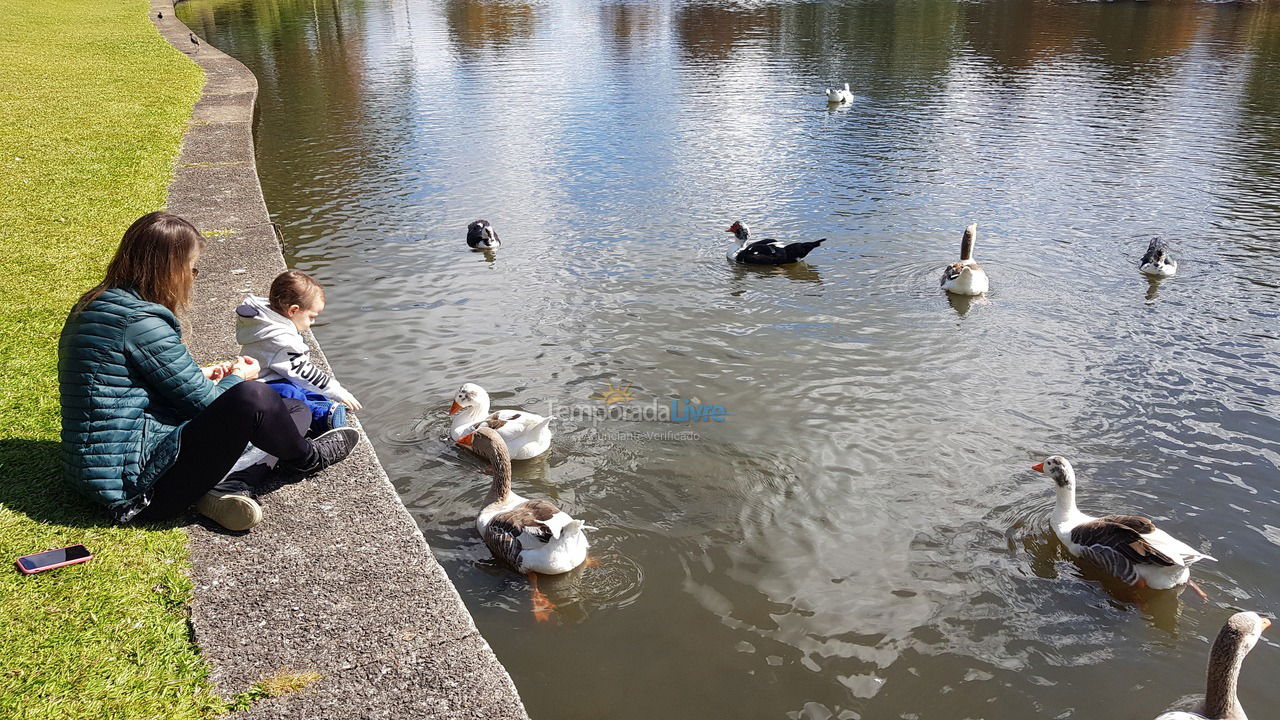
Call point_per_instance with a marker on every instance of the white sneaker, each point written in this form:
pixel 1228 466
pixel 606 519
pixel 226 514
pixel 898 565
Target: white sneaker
pixel 233 512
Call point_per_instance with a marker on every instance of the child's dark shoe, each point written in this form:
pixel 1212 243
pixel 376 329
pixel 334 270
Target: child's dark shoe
pixel 328 449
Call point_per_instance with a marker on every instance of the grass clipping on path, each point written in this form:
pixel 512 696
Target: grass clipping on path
pixel 93 104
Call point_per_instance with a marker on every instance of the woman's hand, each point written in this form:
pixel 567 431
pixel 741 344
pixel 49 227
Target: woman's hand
pixel 245 367
pixel 217 372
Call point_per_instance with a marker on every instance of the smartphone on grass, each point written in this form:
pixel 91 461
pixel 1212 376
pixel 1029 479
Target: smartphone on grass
pixel 51 559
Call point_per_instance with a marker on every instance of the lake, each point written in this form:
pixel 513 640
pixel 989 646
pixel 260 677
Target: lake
pixel 856 532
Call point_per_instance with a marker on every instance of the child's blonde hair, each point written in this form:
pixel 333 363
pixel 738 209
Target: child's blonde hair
pixel 294 287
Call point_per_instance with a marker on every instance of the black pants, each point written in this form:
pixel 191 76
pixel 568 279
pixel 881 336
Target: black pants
pixel 250 412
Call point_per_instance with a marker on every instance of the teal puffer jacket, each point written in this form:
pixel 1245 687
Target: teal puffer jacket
pixel 128 385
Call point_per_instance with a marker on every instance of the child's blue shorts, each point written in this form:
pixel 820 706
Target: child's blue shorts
pixel 325 413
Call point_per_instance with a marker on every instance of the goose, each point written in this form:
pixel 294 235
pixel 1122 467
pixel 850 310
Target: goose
pixel 526 435
pixel 482 236
pixel 530 536
pixel 1157 262
pixel 1130 547
pixel 767 251
pixel 965 277
pixel 1237 637
pixel 838 96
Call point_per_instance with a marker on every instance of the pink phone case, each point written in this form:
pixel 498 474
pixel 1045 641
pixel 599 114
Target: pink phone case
pixel 24 571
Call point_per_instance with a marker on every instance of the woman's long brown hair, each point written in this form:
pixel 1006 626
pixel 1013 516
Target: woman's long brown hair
pixel 154 258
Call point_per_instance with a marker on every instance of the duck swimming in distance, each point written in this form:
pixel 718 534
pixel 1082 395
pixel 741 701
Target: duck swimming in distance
pixel 838 96
pixel 527 435
pixel 1156 262
pixel 1235 640
pixel 965 277
pixel 530 536
pixel 482 236
pixel 767 251
pixel 1130 547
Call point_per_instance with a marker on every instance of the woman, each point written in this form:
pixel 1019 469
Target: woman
pixel 145 431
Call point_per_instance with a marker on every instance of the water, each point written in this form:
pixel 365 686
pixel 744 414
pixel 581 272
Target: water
pixel 863 535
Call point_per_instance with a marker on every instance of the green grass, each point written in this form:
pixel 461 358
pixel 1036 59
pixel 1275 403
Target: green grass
pixel 93 104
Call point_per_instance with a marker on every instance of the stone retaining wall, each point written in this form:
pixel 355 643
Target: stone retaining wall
pixel 338 579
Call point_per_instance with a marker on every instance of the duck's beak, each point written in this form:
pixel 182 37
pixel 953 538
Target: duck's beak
pixel 467 439
pixel 1038 467
pixel 455 408
pixel 729 230
pixel 1266 623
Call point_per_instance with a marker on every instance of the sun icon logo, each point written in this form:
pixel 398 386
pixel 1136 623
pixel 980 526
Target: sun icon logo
pixel 614 394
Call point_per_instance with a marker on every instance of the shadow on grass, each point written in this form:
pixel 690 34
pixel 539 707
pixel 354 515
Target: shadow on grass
pixel 31 484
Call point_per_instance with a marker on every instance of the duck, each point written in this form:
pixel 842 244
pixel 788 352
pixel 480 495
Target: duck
pixel 966 277
pixel 530 536
pixel 1237 637
pixel 1156 262
pixel 527 435
pixel 1129 547
pixel 482 236
pixel 838 96
pixel 767 251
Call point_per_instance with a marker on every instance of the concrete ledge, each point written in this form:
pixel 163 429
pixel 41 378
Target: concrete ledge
pixel 338 579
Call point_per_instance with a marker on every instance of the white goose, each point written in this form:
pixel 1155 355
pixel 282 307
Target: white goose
pixel 1235 640
pixel 965 277
pixel 1130 547
pixel 838 96
pixel 1156 262
pixel 527 435
pixel 531 536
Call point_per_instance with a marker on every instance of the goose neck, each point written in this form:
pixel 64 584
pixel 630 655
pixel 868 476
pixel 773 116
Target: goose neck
pixel 1220 701
pixel 500 488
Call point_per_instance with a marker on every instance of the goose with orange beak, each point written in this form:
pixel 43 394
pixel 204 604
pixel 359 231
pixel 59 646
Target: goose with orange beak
pixel 527 435
pixel 1130 547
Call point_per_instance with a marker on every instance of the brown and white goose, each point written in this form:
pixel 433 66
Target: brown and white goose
pixel 1129 547
pixel 531 536
pixel 965 277
pixel 1235 640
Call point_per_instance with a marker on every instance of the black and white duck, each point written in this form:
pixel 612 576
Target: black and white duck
pixel 482 236
pixel 1235 640
pixel 767 251
pixel 1157 262
pixel 1130 547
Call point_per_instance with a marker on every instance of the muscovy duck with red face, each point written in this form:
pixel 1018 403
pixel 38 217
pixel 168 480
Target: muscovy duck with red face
pixel 767 251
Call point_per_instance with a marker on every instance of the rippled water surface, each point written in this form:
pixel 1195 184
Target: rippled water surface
pixel 863 536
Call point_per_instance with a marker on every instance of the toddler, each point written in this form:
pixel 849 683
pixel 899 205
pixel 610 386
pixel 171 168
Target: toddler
pixel 270 329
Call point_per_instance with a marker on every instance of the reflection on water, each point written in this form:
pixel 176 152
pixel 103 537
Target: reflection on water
pixel 863 536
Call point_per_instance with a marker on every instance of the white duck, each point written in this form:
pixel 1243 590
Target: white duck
pixel 965 277
pixel 838 96
pixel 1130 547
pixel 1235 640
pixel 531 536
pixel 1156 262
pixel 527 435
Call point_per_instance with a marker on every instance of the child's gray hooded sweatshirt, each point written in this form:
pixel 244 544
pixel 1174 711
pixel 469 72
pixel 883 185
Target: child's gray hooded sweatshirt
pixel 272 340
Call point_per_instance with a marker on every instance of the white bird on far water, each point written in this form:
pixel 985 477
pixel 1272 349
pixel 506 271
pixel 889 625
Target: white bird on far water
pixel 836 96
